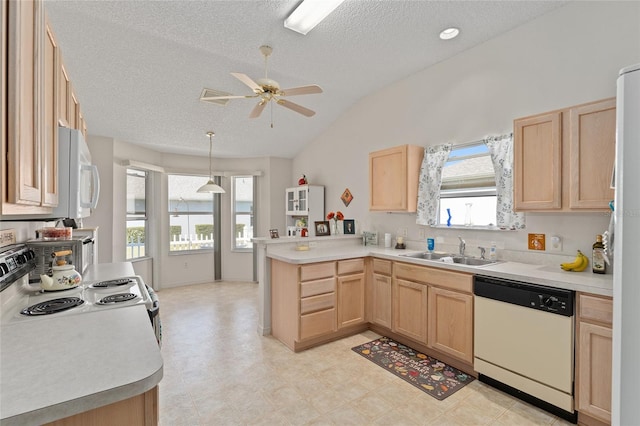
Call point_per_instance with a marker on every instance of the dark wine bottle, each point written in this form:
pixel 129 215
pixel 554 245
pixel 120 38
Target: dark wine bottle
pixel 598 264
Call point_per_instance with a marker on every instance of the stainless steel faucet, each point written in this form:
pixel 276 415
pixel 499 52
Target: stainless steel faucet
pixel 462 245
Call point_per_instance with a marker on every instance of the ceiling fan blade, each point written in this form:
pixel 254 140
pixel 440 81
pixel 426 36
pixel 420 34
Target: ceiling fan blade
pixel 295 107
pixel 257 110
pixel 303 90
pixel 211 98
pixel 248 81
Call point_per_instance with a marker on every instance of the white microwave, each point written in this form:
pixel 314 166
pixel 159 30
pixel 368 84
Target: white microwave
pixel 78 178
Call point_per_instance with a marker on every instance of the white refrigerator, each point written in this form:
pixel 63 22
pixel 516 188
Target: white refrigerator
pixel 625 408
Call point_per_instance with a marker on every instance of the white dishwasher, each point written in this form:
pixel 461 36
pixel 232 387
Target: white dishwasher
pixel 524 342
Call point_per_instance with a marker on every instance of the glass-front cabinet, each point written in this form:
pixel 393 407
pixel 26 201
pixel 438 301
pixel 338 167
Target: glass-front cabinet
pixel 297 200
pixel 304 206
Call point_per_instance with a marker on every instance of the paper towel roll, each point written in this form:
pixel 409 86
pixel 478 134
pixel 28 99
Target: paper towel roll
pixel 387 240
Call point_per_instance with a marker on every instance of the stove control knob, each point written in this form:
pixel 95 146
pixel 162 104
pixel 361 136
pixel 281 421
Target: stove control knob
pixel 21 259
pixel 4 268
pixel 30 254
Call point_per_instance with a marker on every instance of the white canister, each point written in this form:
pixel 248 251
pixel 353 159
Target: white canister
pixel 387 240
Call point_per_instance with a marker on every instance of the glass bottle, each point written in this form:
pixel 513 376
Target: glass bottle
pixel 599 266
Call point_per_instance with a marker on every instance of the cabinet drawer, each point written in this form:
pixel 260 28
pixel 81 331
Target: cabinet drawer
pixel 316 271
pixel 382 266
pixel 595 308
pixel 317 303
pixel 313 288
pixel 446 279
pixel 317 323
pixel 351 266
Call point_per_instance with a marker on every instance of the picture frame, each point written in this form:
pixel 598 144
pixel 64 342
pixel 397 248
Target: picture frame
pixel 349 226
pixel 274 233
pixel 322 228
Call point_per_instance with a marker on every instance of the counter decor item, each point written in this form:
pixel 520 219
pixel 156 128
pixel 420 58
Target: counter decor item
pixel 336 217
pixel 400 243
pixel 274 233
pixel 303 180
pixel 349 226
pixel 322 228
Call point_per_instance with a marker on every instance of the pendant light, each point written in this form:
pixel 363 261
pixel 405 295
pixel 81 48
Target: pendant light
pixel 211 187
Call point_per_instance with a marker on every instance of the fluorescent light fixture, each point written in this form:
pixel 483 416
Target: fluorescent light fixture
pixel 310 13
pixel 449 33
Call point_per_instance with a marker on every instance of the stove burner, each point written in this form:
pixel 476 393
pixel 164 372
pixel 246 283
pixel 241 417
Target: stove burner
pixel 116 298
pixel 112 283
pixel 52 306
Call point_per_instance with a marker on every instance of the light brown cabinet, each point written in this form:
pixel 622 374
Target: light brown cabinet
pixel 563 160
pixel 380 303
pixel 141 409
pixel 451 323
pixel 351 294
pixel 594 356
pixel 50 128
pixel 434 307
pixel 410 309
pixel 393 178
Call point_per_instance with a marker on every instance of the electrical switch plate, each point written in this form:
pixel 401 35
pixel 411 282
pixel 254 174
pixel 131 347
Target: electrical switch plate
pixel 555 243
pixel 536 241
pixel 421 233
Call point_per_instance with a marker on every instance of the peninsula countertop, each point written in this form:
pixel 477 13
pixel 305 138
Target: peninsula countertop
pixel 66 365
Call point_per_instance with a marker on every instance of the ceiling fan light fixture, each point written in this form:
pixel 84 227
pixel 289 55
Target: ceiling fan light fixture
pixel 210 187
pixel 310 13
pixel 449 33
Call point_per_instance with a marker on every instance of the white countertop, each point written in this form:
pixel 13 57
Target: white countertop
pixel 585 281
pixel 60 366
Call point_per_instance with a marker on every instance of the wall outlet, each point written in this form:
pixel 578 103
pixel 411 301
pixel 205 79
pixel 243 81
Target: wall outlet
pixel 402 232
pixel 421 233
pixel 555 243
pixel 536 242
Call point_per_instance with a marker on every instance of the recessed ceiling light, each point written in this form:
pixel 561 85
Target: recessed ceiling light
pixel 449 33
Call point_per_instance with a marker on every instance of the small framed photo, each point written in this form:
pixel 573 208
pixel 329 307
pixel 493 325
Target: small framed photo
pixel 349 226
pixel 322 228
pixel 274 233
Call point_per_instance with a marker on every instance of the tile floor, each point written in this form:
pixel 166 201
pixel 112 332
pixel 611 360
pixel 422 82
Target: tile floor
pixel 219 371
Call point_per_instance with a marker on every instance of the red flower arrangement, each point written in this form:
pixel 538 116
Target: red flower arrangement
pixel 336 217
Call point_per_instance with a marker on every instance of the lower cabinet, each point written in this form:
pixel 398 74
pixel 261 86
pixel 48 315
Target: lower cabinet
pixel 410 309
pixel 138 410
pixel 451 323
pixel 594 356
pixel 380 304
pixel 351 295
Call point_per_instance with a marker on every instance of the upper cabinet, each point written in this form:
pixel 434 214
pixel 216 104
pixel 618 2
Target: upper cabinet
pixel 563 160
pixel 33 98
pixel 393 178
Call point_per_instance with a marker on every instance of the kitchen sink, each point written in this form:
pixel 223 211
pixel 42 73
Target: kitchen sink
pixel 461 260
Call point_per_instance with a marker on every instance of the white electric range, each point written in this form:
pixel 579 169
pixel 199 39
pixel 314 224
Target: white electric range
pixel 21 301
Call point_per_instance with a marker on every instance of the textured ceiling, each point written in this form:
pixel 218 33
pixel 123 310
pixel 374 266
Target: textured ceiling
pixel 139 67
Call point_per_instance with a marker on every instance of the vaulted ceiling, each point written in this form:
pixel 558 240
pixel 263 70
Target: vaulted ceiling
pixel 139 66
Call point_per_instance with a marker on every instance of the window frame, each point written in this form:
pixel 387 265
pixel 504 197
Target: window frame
pixel 137 216
pixel 463 189
pixel 189 214
pixel 235 213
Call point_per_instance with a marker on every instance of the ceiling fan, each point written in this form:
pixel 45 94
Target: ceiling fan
pixel 266 90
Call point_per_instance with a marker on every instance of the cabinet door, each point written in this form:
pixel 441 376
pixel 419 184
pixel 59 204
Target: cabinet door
pixel 410 309
pixel 74 108
pixel 25 35
pixel 592 145
pixel 538 162
pixel 381 300
pixel 594 371
pixel 303 200
pixel 351 300
pixel 50 140
pixel 451 323
pixel 64 87
pixel 292 201
pixel 393 178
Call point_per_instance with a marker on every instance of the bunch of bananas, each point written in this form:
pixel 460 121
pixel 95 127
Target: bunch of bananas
pixel 579 264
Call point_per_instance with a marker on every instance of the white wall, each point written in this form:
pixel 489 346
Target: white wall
pixel 567 57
